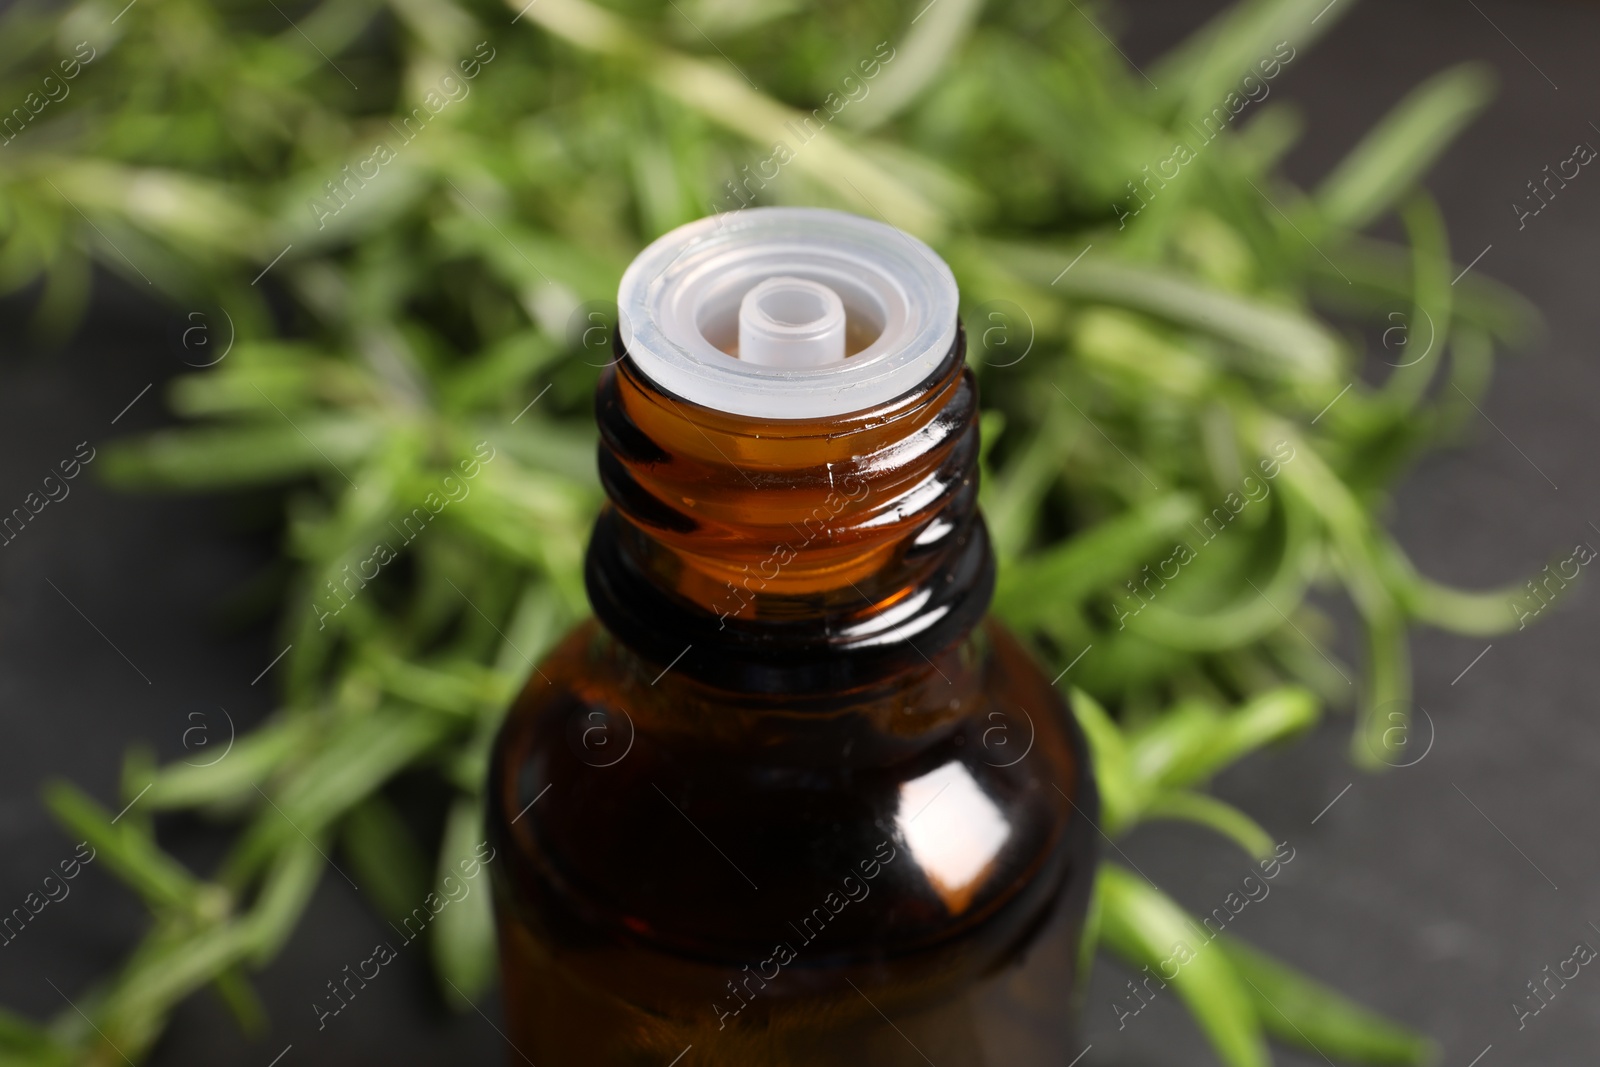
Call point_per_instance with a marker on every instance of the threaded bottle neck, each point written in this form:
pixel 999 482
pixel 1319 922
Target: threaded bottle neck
pixel 791 554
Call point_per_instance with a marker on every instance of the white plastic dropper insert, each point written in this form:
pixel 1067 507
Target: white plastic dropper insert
pixel 791 322
pixel 788 313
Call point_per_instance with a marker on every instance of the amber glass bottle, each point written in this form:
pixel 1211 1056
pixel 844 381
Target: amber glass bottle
pixel 789 799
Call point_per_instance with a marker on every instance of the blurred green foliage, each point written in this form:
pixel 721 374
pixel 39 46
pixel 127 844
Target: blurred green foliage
pixel 396 294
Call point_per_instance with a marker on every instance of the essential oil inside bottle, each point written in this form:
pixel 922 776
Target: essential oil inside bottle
pixel 789 798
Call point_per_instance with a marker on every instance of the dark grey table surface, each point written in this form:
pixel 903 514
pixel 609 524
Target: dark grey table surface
pixel 1433 892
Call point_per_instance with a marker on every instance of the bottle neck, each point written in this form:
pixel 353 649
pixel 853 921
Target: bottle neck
pixel 796 555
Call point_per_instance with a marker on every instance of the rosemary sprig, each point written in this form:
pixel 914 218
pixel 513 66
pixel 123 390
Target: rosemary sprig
pixel 443 194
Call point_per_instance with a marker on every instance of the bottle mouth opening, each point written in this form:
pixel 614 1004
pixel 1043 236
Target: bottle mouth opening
pixel 788 313
pixel 789 305
pixel 790 322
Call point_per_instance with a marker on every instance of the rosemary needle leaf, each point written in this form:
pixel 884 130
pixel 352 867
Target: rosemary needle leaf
pixel 462 936
pixel 384 857
pixel 1298 1011
pixel 126 848
pixel 1143 926
pixel 1224 818
pixel 1403 145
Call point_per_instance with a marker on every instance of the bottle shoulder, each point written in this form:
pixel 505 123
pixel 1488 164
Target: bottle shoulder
pixel 946 811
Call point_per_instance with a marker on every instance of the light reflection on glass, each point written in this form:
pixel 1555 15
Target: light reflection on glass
pixel 953 829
